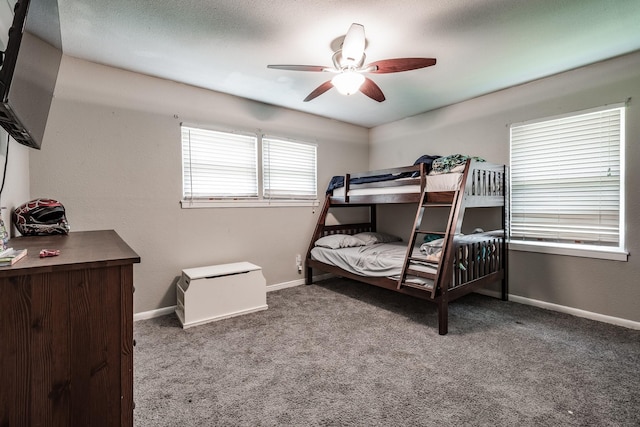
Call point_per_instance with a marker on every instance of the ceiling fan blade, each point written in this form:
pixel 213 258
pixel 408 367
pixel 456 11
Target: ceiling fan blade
pixel 353 44
pixel 399 64
pixel 372 90
pixel 298 67
pixel 319 91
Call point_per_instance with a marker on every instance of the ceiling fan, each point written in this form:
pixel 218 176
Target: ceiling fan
pixel 348 66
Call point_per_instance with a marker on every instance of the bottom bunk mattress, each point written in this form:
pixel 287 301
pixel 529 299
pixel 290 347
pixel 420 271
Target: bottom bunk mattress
pixel 474 255
pixel 376 260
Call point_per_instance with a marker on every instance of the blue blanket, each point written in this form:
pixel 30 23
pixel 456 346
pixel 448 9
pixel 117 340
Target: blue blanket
pixel 338 181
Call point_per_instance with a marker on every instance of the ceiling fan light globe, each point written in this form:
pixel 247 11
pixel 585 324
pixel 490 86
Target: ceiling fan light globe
pixel 348 82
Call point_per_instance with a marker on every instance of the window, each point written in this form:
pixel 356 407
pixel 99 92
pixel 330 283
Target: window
pixel 567 176
pixel 288 169
pixel 221 169
pixel 218 164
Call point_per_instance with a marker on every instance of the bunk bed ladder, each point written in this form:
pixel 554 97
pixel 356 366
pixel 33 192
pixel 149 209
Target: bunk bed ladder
pixel 447 235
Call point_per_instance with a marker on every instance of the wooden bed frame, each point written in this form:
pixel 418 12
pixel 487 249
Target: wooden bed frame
pixel 465 266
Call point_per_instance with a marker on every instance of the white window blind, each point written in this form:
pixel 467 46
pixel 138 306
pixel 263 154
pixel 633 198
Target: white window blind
pixel 289 169
pixel 218 164
pixel 566 179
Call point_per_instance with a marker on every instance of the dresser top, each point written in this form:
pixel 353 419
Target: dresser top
pixel 78 250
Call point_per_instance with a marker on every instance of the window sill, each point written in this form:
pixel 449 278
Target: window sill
pixel 246 203
pixel 613 254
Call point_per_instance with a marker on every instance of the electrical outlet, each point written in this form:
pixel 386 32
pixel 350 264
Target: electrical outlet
pixel 299 263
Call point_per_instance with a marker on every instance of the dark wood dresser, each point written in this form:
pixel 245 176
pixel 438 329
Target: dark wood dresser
pixel 66 332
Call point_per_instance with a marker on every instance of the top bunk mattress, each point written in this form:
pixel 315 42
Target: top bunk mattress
pixel 435 183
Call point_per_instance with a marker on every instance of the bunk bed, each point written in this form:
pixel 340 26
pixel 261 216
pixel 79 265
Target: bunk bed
pixel 440 270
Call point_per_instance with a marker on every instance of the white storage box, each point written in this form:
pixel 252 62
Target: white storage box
pixel 205 294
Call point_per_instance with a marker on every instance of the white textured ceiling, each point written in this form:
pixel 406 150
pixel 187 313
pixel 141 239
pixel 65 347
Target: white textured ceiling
pixel 225 45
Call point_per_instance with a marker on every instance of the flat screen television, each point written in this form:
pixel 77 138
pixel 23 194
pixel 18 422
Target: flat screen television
pixel 29 70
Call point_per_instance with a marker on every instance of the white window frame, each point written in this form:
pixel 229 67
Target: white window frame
pixel 618 252
pixel 259 199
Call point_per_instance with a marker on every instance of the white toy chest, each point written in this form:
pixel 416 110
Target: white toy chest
pixel 205 294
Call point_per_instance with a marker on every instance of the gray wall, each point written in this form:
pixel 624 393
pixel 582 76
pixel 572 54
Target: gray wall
pixel 112 155
pixel 16 185
pixel 481 127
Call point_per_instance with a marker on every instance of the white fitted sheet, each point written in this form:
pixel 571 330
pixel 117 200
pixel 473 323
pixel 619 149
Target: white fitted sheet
pixel 435 183
pixel 377 260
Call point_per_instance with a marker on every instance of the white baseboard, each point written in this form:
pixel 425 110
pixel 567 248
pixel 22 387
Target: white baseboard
pixel 298 282
pixel 154 313
pixel 284 285
pixel 275 287
pixel 568 310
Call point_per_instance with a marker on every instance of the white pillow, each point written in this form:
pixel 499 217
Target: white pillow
pixel 337 241
pixel 370 237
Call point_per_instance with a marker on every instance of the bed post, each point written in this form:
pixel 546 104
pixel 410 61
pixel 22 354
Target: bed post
pixel 373 217
pixel 308 276
pixel 505 235
pixel 443 315
pixel 504 283
pixel 317 233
